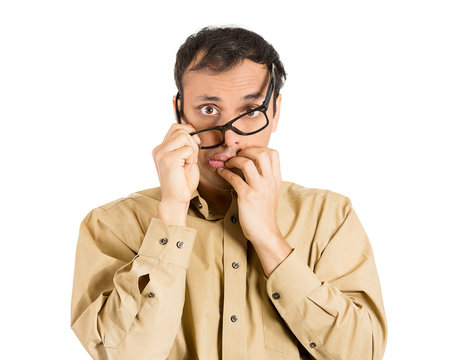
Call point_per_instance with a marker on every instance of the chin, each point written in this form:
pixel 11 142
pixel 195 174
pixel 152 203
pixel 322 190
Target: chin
pixel 211 178
pixel 220 183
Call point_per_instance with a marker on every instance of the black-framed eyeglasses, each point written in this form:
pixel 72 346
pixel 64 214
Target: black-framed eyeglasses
pixel 249 123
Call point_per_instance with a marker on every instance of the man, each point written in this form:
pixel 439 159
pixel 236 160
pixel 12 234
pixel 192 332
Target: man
pixel 224 260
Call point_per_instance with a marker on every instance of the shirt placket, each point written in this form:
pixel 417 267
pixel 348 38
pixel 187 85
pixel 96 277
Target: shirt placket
pixel 234 327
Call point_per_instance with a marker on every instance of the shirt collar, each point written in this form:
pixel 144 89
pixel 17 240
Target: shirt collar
pixel 202 206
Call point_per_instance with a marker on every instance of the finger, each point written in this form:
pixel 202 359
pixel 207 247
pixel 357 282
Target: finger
pixel 275 161
pixel 260 155
pixel 252 151
pixel 193 140
pixel 182 156
pixel 264 164
pixel 179 139
pixel 247 166
pixel 181 127
pixel 235 180
pixel 187 127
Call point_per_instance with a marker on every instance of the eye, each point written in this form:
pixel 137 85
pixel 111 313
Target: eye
pixel 209 110
pixel 253 113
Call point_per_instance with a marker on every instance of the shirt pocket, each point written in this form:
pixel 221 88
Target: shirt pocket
pixel 277 336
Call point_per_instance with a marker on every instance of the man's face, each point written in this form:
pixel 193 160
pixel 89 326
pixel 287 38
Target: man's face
pixel 225 96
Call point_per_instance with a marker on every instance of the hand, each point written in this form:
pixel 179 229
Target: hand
pixel 176 163
pixel 258 195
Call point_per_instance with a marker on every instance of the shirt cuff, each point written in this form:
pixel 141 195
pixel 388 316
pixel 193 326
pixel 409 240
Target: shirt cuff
pixel 291 282
pixel 168 243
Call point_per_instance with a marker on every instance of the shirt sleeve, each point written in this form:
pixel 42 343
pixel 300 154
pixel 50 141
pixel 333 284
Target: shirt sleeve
pixel 335 310
pixel 128 304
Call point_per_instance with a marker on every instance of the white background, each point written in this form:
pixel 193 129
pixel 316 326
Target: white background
pixel 85 95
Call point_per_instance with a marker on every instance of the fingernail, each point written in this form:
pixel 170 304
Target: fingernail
pixel 219 169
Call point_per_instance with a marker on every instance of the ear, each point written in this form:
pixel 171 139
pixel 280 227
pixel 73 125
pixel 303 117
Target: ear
pixel 179 108
pixel 277 113
pixel 174 107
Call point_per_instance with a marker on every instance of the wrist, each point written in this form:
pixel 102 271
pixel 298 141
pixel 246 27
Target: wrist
pixel 272 253
pixel 173 213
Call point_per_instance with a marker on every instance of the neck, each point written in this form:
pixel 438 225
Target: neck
pixel 219 200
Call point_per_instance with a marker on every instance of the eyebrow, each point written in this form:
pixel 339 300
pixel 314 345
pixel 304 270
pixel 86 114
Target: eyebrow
pixel 216 98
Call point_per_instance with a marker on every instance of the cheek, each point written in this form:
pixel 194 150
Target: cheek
pixel 203 159
pixel 263 137
pixel 259 139
pixel 201 156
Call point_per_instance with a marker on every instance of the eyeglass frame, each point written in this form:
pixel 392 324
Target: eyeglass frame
pixel 228 126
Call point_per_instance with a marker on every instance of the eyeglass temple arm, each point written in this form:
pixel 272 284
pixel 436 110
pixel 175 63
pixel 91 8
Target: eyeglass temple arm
pixel 271 87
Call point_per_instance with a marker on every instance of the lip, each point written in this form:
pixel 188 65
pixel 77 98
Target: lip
pixel 218 161
pixel 222 157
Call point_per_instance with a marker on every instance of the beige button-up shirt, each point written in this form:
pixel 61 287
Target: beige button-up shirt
pixel 147 290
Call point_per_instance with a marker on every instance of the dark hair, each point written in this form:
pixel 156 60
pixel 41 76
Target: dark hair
pixel 221 48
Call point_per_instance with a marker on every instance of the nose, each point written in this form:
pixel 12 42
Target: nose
pixel 231 138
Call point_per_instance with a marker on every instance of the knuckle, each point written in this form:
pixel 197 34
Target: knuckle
pixel 175 127
pixel 182 137
pixel 263 155
pixel 179 132
pixel 186 148
pixel 185 127
pixel 156 155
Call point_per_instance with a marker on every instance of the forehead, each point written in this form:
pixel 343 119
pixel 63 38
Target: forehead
pixel 245 77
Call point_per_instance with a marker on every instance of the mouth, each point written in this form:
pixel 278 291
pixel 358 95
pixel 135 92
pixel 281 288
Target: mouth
pixel 218 161
pixel 221 164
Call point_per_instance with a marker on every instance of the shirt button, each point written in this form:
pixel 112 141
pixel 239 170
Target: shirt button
pixel 312 345
pixel 234 318
pixel 234 219
pixel 235 265
pixel 163 241
pixel 150 295
pixel 180 244
pixel 276 296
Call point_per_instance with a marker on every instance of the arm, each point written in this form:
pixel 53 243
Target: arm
pixel 334 307
pixel 335 310
pixel 128 305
